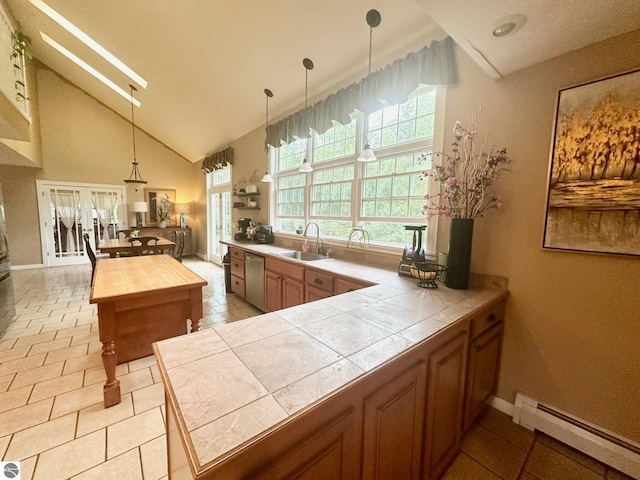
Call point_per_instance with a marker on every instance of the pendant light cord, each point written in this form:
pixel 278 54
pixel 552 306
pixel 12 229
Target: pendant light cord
pixel 133 124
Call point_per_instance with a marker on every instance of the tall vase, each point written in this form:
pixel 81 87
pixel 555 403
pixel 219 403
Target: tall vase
pixel 162 224
pixel 459 262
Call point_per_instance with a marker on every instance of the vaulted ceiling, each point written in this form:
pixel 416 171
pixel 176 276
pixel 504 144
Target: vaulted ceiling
pixel 207 62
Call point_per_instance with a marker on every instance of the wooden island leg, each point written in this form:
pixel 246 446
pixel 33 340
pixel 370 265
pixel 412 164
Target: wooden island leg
pixel 196 308
pixel 107 327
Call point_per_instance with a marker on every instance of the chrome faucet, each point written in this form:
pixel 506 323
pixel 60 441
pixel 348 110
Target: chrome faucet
pixel 304 234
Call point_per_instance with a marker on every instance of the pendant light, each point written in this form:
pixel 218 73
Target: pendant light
pixel 308 65
pixel 267 176
pixel 373 20
pixel 135 176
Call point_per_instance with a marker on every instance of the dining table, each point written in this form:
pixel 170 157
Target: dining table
pixel 115 246
pixel 141 300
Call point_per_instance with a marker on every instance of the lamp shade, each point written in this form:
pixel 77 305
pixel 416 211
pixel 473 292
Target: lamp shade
pixel 182 207
pixel 139 207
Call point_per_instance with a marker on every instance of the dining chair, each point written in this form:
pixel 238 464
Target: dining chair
pixel 126 232
pixel 146 246
pixel 177 253
pixel 90 254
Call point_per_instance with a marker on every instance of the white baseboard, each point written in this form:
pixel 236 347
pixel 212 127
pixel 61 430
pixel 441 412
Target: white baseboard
pixel 27 267
pixel 611 449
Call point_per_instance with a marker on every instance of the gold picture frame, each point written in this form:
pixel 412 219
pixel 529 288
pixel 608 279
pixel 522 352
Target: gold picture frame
pixel 152 196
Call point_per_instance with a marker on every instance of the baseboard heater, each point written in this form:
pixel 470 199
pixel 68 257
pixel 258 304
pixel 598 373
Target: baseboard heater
pixel 613 450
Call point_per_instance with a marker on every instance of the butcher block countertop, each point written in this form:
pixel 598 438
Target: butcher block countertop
pixel 235 382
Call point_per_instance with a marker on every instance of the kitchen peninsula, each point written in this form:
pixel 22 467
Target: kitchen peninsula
pixel 378 382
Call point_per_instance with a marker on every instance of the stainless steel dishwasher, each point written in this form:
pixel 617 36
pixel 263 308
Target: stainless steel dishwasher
pixel 254 280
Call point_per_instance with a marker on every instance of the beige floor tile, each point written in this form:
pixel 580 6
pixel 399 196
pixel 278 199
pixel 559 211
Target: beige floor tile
pixel 97 374
pixel 85 338
pixel 39 438
pixel 27 416
pixel 135 380
pixel 27 468
pixel 34 339
pixel 49 346
pixel 134 431
pixel 95 417
pixel 56 386
pixel 4 443
pixel 14 353
pixel 501 424
pixel 466 468
pixel 148 397
pixel 7 344
pixel 17 331
pixel 71 458
pixel 5 381
pixel 123 467
pixel 545 463
pixel 494 452
pixel 46 320
pixel 81 363
pixel 95 347
pixel 49 327
pixel 154 458
pixel 155 373
pixel 65 354
pixel 141 363
pixel 70 332
pixel 14 398
pixel 613 474
pixel 21 364
pixel 38 374
pixel 77 399
pixel 573 454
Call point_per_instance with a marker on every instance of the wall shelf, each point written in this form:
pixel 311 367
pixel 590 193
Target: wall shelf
pixel 247 208
pixel 246 194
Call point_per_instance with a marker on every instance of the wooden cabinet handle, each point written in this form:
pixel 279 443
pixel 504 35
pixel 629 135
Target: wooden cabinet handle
pixel 317 281
pixel 492 318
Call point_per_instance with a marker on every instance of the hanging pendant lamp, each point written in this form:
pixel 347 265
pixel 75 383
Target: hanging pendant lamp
pixel 373 20
pixel 135 176
pixel 267 176
pixel 308 65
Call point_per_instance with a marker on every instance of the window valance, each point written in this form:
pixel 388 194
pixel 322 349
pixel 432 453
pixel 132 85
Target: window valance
pixel 432 65
pixel 218 160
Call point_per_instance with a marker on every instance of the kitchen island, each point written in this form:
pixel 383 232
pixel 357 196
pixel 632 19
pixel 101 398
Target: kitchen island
pixel 370 383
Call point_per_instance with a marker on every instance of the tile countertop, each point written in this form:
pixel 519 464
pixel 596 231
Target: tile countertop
pixel 238 380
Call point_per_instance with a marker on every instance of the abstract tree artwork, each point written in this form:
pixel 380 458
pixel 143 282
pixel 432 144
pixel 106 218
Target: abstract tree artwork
pixel 593 202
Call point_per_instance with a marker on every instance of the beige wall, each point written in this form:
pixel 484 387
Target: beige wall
pixel 83 141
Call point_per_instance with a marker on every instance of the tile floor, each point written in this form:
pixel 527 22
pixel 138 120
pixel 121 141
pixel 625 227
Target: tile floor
pixel 53 422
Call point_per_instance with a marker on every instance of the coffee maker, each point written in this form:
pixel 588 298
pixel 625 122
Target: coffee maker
pixel 413 253
pixel 242 225
pixel 265 234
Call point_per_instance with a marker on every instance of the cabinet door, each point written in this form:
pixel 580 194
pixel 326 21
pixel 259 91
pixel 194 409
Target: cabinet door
pixel 393 422
pixel 342 285
pixel 237 286
pixel 482 374
pixel 445 389
pixel 311 294
pixel 272 291
pixel 292 292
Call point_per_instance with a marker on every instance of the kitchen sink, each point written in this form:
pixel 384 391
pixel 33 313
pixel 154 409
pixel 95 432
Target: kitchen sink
pixel 304 256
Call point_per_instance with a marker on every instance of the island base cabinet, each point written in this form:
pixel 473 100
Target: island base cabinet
pixel 445 395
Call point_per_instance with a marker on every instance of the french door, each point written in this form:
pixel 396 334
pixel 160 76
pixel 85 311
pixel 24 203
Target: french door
pixel 69 210
pixel 219 222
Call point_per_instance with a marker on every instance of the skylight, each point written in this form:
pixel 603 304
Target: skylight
pixel 87 40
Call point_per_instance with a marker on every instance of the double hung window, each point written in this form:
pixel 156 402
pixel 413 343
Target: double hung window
pixel 341 193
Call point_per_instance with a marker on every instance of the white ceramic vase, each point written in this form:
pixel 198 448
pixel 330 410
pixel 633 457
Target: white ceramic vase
pixel 162 224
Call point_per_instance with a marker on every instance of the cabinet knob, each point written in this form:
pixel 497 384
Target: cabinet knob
pixel 492 318
pixel 317 281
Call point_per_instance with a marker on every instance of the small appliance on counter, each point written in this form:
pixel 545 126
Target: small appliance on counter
pixel 413 253
pixel 264 234
pixel 241 230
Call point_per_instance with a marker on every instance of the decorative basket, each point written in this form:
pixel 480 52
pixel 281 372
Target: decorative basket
pixel 427 273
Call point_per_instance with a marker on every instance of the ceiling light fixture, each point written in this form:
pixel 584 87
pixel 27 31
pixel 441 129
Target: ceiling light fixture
pixel 373 20
pixel 267 176
pixel 308 65
pixel 88 41
pixel 135 176
pixel 508 25
pixel 88 68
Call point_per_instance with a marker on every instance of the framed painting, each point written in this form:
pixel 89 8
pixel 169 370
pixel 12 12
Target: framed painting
pixel 593 199
pixel 160 203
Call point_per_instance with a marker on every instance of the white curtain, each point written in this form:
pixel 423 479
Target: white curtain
pixel 104 203
pixel 67 206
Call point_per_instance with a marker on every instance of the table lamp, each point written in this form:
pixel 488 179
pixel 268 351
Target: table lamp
pixel 183 209
pixel 139 208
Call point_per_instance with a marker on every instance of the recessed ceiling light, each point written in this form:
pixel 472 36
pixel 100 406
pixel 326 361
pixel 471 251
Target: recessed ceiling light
pixel 81 63
pixel 88 41
pixel 508 25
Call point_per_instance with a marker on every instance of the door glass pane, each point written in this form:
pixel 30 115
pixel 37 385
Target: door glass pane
pixel 67 222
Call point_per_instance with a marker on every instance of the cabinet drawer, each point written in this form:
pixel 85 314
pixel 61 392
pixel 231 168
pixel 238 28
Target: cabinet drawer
pixel 319 280
pixel 342 285
pixel 486 319
pixel 237 267
pixel 237 285
pixel 283 267
pixel 236 253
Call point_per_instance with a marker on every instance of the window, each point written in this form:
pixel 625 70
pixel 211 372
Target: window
pixel 341 193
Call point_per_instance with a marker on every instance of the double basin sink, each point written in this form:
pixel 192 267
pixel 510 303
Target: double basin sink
pixel 304 256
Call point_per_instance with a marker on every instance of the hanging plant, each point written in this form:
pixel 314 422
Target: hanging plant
pixel 21 50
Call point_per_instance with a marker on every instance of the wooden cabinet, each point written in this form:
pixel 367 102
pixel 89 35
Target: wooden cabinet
pixel 445 393
pixel 344 285
pixel 284 284
pixel 485 348
pixel 170 233
pixel 318 285
pixel 237 271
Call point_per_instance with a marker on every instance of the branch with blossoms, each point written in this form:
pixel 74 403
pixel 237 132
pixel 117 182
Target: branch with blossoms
pixel 465 176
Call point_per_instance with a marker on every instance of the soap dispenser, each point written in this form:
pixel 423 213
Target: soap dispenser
pixel 305 246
